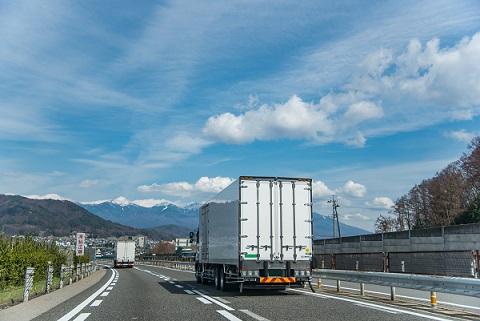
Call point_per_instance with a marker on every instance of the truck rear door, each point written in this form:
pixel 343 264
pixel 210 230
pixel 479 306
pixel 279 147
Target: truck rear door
pixel 275 219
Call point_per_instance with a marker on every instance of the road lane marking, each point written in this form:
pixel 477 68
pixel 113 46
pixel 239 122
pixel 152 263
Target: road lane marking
pixel 228 315
pixel 171 282
pixel 221 299
pixel 188 292
pixel 110 288
pixel 204 301
pixel 254 315
pixel 105 293
pixel 82 317
pixel 167 268
pixel 325 296
pixel 179 286
pixel 226 307
pixel 406 297
pixel 87 301
pixel 374 308
pixel 96 303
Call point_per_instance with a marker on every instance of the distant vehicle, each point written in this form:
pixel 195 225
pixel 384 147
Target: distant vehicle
pixel 257 233
pixel 124 253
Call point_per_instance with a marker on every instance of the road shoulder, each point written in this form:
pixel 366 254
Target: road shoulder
pixel 39 305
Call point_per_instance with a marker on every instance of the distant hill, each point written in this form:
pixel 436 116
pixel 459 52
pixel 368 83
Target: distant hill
pixel 132 213
pixel 21 215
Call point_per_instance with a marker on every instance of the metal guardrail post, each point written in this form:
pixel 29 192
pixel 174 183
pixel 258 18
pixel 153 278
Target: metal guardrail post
pixel 362 285
pixel 403 266
pixel 82 270
pixel 338 285
pixel 77 276
pixel 392 293
pixel 70 281
pixel 29 273
pixel 48 284
pixel 62 274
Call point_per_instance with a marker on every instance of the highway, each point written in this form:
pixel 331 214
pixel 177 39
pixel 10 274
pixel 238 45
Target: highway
pixel 156 293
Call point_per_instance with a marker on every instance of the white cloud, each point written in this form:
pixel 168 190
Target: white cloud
pixel 87 183
pixel 320 190
pixel 354 217
pixel 295 119
pixel 461 135
pixel 353 189
pixel 183 189
pixel 382 202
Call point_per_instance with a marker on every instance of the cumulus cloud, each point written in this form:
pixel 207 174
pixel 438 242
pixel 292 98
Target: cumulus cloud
pixel 320 189
pixel 461 135
pixel 382 202
pixel 182 189
pixel 353 189
pixel 354 217
pixel 295 119
pixel 87 183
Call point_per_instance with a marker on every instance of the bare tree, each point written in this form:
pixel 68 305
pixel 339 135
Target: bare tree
pixel 385 224
pixel 164 247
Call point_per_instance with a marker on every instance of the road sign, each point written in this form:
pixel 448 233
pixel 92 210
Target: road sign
pixel 80 248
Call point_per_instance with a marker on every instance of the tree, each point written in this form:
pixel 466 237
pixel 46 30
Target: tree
pixel 385 224
pixel 164 247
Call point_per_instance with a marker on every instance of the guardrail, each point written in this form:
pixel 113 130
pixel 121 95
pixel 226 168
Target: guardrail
pixel 444 284
pixel 179 265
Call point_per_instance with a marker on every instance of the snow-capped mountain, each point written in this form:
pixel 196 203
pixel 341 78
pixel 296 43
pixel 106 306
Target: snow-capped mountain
pixel 144 213
pixel 149 213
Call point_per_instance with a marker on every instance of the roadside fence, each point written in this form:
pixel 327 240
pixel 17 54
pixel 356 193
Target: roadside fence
pixel 68 275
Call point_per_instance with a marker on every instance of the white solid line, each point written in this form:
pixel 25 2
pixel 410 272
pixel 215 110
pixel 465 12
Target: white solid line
pixel 254 315
pixel 105 294
pixel 226 307
pixel 427 316
pixel 221 299
pixel 87 301
pixel 407 297
pixel 96 303
pixel 188 291
pixel 369 307
pixel 204 301
pixel 167 268
pixel 110 288
pixel 82 317
pixel 228 315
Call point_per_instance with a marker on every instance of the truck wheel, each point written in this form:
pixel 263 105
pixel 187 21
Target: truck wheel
pixel 199 279
pixel 221 276
pixel 217 278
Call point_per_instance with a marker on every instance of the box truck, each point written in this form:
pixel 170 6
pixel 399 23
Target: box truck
pixel 124 253
pixel 257 233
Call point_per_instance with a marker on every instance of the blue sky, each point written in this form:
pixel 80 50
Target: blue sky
pixel 172 100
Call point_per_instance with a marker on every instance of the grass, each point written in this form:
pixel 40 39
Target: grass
pixel 14 294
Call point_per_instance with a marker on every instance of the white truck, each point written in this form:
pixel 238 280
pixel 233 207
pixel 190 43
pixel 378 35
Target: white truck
pixel 257 233
pixel 124 253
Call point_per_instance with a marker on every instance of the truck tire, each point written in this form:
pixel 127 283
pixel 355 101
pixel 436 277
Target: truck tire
pixel 217 278
pixel 221 276
pixel 199 279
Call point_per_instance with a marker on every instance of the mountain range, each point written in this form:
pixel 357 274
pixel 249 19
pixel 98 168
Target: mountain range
pixel 21 215
pixel 147 213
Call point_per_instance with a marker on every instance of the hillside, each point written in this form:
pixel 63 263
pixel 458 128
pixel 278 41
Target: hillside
pixel 21 215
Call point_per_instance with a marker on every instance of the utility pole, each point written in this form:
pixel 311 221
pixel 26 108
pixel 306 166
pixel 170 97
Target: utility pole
pixel 335 220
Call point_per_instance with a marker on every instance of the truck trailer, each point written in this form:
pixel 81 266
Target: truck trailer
pixel 124 253
pixel 257 233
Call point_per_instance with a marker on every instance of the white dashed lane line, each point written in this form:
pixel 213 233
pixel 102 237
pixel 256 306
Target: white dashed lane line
pixel 203 300
pixel 254 315
pixel 96 303
pixel 221 300
pixel 105 294
pixel 228 315
pixel 226 307
pixel 81 317
pixel 188 292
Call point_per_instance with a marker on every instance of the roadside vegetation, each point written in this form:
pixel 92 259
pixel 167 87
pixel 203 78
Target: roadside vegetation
pixel 451 197
pixel 16 254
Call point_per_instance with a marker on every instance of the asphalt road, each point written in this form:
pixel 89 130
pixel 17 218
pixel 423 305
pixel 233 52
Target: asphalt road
pixel 155 293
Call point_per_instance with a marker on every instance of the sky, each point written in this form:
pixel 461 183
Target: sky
pixel 174 100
